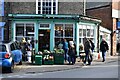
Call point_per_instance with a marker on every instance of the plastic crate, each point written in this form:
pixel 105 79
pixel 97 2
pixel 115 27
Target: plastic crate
pixel 48 62
pixel 58 58
pixel 38 59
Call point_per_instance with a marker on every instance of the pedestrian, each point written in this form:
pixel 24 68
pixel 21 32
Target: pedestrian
pixel 72 53
pixel 87 48
pixel 32 42
pixel 92 45
pixel 65 48
pixel 92 49
pixel 23 48
pixel 103 48
pixel 29 53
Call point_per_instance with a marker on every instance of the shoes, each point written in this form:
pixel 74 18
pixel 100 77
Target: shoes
pixel 103 61
pixel 84 64
pixel 88 64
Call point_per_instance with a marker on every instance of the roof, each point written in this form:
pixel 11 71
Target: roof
pixel 94 5
pixel 43 16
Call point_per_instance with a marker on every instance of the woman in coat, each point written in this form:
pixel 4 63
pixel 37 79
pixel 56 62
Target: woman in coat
pixel 72 53
pixel 103 48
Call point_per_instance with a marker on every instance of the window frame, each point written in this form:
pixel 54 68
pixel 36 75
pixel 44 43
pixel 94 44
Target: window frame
pixel 25 27
pixel 50 6
pixel 86 27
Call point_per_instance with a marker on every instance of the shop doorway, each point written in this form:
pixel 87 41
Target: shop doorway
pixel 44 40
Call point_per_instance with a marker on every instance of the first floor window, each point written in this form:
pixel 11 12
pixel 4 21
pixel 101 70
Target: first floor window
pixel 25 30
pixel 46 6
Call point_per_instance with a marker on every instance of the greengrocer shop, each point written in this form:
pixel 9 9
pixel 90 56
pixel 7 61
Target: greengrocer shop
pixel 51 29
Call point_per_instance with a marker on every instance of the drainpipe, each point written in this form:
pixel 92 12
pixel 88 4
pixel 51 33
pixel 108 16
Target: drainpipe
pixel 98 33
pixel 84 7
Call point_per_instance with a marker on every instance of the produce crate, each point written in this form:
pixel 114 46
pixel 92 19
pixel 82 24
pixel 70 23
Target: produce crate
pixel 48 59
pixel 48 62
pixel 58 58
pixel 38 59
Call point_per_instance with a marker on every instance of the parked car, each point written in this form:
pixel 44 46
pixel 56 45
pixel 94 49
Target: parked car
pixel 10 54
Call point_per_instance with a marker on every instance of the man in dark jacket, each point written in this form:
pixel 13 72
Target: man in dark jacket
pixel 103 48
pixel 87 48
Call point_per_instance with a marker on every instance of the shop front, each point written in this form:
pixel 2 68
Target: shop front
pixel 49 30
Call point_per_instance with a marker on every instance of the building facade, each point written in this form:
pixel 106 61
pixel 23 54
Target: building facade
pixel 116 23
pixel 49 21
pixel 109 14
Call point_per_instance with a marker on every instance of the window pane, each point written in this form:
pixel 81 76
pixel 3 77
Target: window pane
pixel 58 41
pixel 39 3
pixel 58 30
pixel 68 30
pixel 54 3
pixel 29 29
pixel 80 32
pixel 88 32
pixel 19 29
pixel 92 33
pixel 44 25
pixel 84 32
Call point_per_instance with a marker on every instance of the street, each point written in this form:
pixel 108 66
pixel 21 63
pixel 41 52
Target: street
pixel 107 70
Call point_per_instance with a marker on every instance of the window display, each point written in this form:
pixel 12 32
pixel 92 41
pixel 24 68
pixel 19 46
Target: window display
pixel 63 31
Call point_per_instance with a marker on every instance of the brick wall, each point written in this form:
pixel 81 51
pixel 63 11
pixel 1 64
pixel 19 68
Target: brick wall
pixel 23 7
pixel 114 39
pixel 70 8
pixel 102 13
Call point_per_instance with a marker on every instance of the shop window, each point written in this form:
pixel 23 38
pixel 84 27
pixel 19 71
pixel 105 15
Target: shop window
pixel 59 30
pixel 86 31
pixel 19 29
pixel 68 30
pixel 24 30
pixel 29 29
pixel 63 31
pixel 46 6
